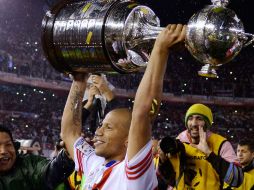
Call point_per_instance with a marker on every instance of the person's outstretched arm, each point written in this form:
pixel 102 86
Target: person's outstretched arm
pixel 149 92
pixel 71 119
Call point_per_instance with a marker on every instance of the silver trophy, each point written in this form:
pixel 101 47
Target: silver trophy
pixel 99 36
pixel 118 35
pixel 215 35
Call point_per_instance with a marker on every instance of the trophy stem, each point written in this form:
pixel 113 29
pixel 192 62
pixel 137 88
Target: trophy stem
pixel 147 33
pixel 208 71
pixel 151 32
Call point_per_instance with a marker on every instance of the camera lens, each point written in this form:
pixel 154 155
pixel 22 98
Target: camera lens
pixel 168 145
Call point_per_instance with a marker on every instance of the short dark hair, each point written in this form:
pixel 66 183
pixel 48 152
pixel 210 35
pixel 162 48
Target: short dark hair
pixel 247 142
pixel 4 129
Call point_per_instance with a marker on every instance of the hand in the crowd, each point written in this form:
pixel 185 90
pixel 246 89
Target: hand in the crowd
pixel 93 90
pixel 170 36
pixel 202 145
pixel 101 84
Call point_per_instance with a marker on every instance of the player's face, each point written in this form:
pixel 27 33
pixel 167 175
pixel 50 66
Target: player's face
pixel 244 155
pixel 193 124
pixel 7 152
pixel 111 138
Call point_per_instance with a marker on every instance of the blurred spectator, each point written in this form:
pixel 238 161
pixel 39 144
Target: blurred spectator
pixel 245 154
pixel 29 171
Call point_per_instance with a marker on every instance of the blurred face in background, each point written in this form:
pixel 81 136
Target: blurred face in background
pixel 7 152
pixel 244 155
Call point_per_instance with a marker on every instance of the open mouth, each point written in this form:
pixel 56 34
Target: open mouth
pixel 4 160
pixel 195 132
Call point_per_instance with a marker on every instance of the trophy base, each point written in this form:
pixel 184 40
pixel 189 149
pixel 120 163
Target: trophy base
pixel 208 71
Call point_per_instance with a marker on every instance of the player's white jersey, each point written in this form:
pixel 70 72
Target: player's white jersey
pixel 137 174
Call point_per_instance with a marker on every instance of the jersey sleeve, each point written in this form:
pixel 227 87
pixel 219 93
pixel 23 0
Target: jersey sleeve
pixel 84 157
pixel 140 170
pixel 227 152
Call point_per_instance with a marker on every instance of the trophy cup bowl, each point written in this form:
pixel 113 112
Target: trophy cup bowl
pixel 98 36
pixel 214 36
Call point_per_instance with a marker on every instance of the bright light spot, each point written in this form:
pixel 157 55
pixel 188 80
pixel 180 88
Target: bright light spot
pixel 21 100
pixel 166 119
pixel 34 90
pixel 24 94
pixel 199 25
pixel 231 72
pixel 185 84
pixel 235 111
pixel 17 93
pixel 44 99
pixel 182 90
pixel 235 78
pixel 14 68
pixel 12 119
pixel 53 94
pixel 159 114
pixel 26 126
pixel 206 78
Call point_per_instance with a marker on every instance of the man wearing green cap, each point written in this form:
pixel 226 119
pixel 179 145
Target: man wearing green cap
pixel 209 159
pixel 212 157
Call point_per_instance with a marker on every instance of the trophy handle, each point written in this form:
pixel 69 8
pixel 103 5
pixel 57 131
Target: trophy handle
pixel 247 38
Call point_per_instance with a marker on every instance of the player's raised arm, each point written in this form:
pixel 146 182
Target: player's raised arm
pixel 71 119
pixel 149 92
